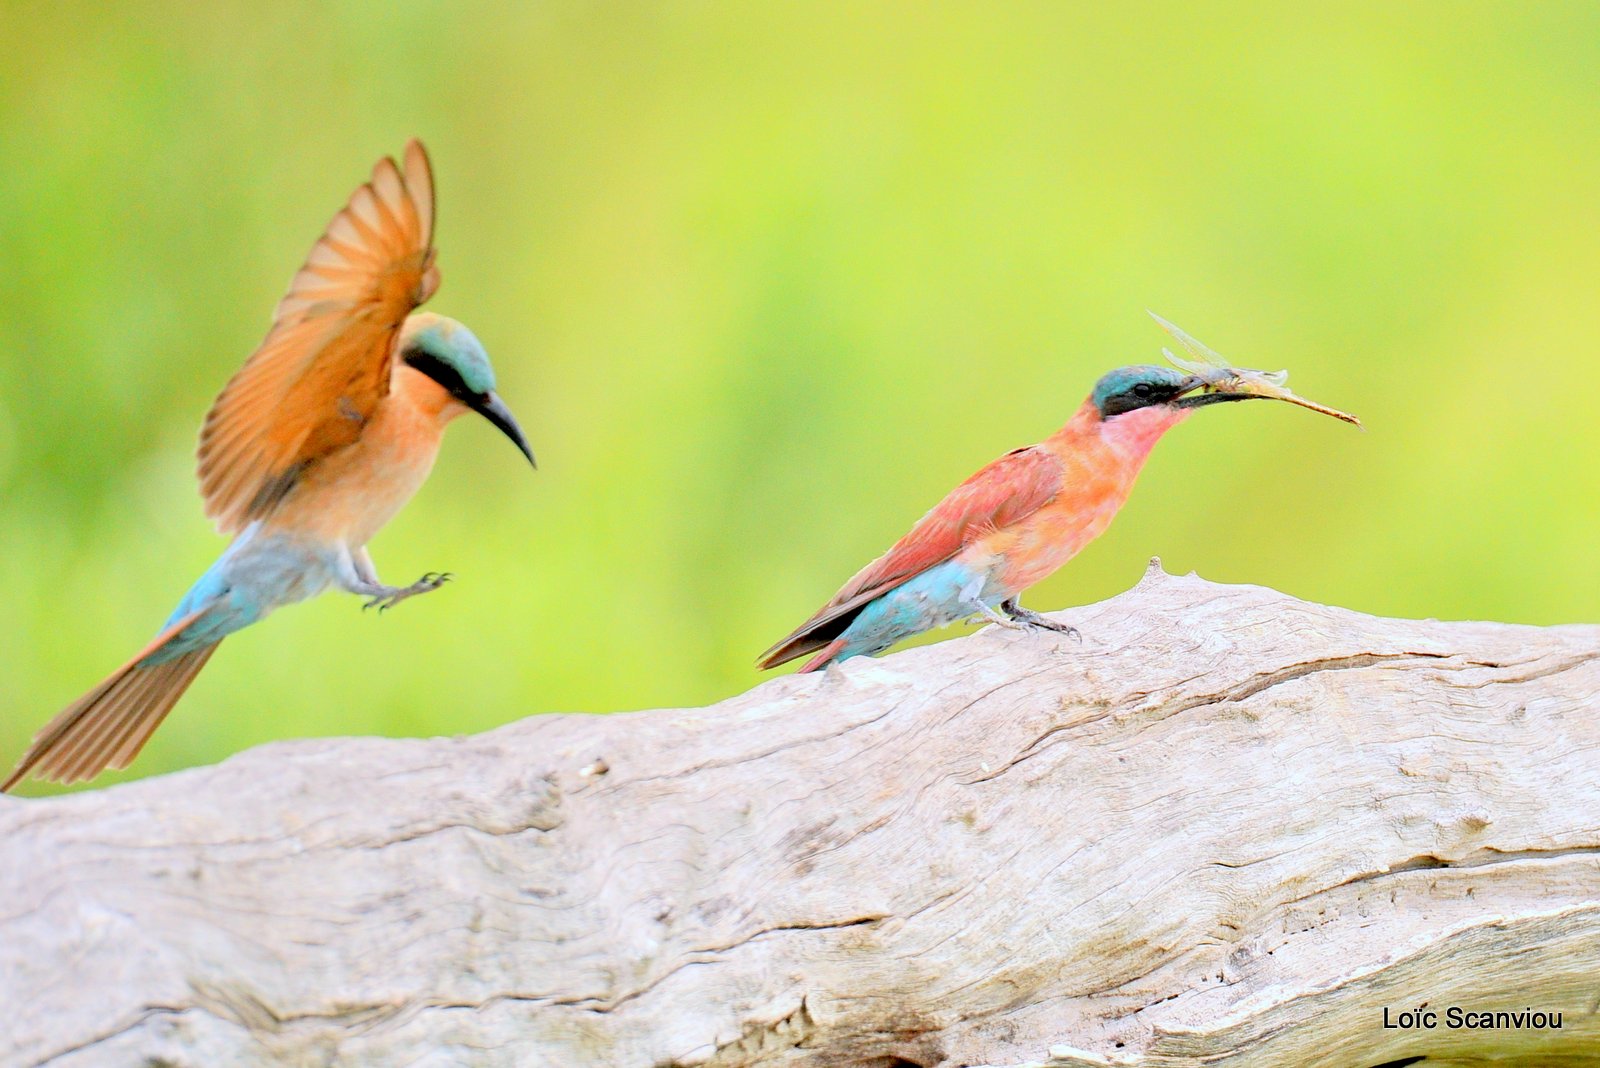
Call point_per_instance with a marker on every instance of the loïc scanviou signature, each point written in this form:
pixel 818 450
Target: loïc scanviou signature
pixel 1457 1018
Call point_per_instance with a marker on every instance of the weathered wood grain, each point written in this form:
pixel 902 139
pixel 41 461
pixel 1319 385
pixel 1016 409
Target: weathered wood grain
pixel 1228 828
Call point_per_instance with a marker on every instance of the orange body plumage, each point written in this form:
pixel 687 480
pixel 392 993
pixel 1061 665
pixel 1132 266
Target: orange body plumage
pixel 1006 528
pixel 318 441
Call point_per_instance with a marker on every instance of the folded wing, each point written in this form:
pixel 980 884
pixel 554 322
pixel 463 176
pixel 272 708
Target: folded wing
pixel 1005 492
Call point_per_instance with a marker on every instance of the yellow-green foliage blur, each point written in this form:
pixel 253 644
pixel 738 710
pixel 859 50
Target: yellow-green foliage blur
pixel 762 282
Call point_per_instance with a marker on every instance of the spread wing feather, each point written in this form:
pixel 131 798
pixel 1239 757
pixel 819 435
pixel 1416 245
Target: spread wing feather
pixel 1005 492
pixel 324 366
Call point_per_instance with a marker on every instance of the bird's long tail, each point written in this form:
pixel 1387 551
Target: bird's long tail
pixel 106 727
pixel 824 658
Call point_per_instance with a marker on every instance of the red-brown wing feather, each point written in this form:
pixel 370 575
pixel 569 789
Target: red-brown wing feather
pixel 324 366
pixel 107 726
pixel 1006 491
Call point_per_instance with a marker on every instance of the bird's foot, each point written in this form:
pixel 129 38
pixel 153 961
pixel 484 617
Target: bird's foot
pixel 390 596
pixel 1027 618
pixel 983 613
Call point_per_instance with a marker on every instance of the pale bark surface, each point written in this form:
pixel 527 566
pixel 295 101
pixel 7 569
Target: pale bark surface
pixel 1228 828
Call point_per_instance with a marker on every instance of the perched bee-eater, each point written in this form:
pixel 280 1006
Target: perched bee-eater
pixel 316 443
pixel 1007 527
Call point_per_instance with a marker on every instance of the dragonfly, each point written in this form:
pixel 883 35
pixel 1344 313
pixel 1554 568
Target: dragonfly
pixel 1221 376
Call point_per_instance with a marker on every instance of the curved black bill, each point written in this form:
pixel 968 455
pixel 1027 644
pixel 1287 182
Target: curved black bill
pixel 1200 400
pixel 492 408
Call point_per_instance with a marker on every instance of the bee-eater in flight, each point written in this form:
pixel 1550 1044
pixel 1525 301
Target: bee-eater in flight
pixel 1007 527
pixel 317 442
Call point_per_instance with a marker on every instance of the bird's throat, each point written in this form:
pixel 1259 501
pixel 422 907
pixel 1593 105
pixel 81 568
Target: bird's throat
pixel 1135 433
pixel 422 394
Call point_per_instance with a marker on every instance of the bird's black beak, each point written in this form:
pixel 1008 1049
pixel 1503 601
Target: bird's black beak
pixel 1188 398
pixel 492 408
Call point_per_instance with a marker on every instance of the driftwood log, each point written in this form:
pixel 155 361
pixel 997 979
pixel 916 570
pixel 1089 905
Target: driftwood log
pixel 1225 828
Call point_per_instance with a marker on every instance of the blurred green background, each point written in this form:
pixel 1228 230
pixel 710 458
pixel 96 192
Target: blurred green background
pixel 762 282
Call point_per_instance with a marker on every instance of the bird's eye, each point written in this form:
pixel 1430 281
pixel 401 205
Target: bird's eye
pixel 1142 389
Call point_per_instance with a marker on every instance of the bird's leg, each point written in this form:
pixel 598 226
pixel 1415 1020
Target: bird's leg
pixel 971 597
pixel 363 580
pixel 386 597
pixel 991 616
pixel 1013 607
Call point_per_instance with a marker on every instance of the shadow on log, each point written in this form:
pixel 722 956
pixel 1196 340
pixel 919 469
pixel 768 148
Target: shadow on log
pixel 1229 828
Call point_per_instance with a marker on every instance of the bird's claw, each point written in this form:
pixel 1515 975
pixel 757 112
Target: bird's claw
pixel 391 597
pixel 1069 631
pixel 1031 620
pixel 983 613
pixel 1041 623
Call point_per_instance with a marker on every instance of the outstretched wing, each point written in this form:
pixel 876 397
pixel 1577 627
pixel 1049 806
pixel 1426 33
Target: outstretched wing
pixel 1007 491
pixel 324 366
